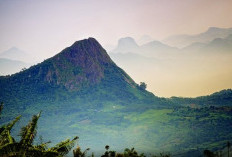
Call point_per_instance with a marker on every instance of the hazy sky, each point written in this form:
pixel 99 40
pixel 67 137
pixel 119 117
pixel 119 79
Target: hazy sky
pixel 45 27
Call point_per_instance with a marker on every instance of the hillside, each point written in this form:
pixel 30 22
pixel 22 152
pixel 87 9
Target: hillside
pixel 80 83
pixel 221 98
pixel 82 92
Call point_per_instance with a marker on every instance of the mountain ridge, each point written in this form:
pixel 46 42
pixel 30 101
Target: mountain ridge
pixel 210 34
pixel 105 107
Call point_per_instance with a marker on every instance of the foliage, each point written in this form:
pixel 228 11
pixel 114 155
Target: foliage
pixel 222 98
pixel 5 132
pixel 25 148
pixel 127 153
pixel 143 86
pixel 78 153
pixel 162 155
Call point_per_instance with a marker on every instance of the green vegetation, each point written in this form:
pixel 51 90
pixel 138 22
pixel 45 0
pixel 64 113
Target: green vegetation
pixel 143 85
pixel 9 147
pixel 182 127
pixel 82 92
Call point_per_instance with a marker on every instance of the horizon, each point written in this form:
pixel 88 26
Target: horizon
pixel 138 76
pixel 149 88
pixel 32 25
pixel 43 29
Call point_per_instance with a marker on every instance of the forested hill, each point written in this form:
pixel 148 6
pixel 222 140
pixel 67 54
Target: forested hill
pixel 221 98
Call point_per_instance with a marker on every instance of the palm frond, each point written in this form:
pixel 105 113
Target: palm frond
pixel 78 153
pixel 64 147
pixel 5 130
pixel 18 150
pixel 28 132
pixel 11 149
pixel 42 146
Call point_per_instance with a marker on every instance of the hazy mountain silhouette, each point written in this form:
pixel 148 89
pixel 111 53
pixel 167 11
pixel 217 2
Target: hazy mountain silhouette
pixel 217 45
pixel 154 48
pixel 126 45
pixel 8 66
pixel 205 37
pixel 144 39
pixel 17 54
pixel 181 67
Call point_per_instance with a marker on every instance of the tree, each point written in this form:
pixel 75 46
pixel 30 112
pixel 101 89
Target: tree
pixel 143 86
pixel 78 153
pixel 11 148
pixel 127 153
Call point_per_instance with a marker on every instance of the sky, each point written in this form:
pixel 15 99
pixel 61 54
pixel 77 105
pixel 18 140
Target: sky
pixel 45 27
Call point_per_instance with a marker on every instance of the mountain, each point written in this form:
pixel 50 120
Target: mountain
pixel 220 45
pixel 82 92
pixel 17 54
pixel 126 45
pixel 84 86
pixel 155 49
pixel 217 45
pixel 205 37
pixel 8 66
pixel 179 68
pixel 221 98
pixel 144 39
pixel 79 67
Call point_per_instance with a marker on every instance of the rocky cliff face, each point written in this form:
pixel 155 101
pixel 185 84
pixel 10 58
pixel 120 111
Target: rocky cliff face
pixel 83 63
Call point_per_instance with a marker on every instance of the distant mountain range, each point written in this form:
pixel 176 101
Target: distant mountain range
pixel 81 91
pixel 151 49
pixel 181 67
pixel 8 66
pixel 205 37
pixel 126 45
pixel 217 45
pixel 144 39
pixel 213 40
pixel 13 60
pixel 16 54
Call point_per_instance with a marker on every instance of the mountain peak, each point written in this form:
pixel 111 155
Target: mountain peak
pixel 126 44
pixel 85 49
pixel 82 65
pixel 127 40
pixel 15 53
pixel 89 41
